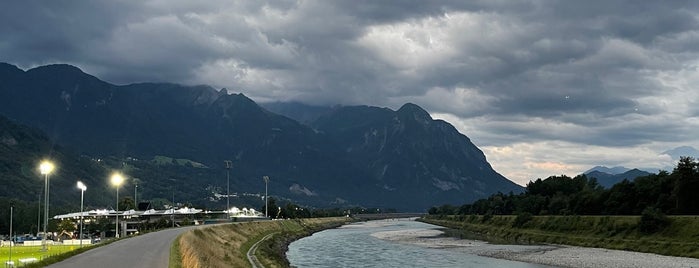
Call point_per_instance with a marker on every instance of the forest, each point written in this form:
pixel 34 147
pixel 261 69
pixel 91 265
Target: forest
pixel 672 193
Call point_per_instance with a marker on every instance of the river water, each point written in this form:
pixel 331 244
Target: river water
pixel 391 243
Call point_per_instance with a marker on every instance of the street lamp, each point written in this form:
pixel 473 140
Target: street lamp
pixel 117 180
pixel 45 168
pixel 266 179
pixel 82 188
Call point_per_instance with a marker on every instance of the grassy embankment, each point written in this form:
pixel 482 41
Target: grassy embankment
pixel 227 245
pixel 679 238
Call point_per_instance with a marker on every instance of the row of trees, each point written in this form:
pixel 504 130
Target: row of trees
pixel 670 193
pixel 289 210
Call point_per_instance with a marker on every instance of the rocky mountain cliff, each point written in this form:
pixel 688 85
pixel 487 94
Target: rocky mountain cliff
pixel 351 155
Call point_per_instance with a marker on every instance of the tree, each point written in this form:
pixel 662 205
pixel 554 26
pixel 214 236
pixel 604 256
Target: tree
pixel 127 203
pixel 686 186
pixel 66 225
pixel 652 220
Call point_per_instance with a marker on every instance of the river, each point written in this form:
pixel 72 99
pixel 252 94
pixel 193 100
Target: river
pixel 393 243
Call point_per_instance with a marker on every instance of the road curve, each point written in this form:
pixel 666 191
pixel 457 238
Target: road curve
pixel 148 250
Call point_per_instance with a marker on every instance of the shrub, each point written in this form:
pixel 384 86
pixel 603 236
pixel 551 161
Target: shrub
pixel 487 216
pixel 652 220
pixel 522 219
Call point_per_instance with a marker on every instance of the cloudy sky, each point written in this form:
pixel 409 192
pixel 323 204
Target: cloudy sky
pixel 543 87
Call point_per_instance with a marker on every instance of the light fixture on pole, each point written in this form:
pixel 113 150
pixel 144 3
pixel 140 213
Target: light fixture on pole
pixel 117 180
pixel 45 168
pixel 82 188
pixel 229 165
pixel 266 179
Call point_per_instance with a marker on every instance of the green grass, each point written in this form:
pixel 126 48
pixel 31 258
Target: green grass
pixel 680 238
pixel 24 252
pixel 175 256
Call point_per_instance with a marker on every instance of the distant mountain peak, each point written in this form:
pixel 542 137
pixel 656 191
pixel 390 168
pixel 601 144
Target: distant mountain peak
pixel 676 153
pixel 612 171
pixel 607 180
pixel 415 111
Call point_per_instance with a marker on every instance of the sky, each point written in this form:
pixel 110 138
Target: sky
pixel 542 87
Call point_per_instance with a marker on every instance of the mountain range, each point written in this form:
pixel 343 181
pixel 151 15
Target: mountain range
pixel 352 155
pixel 608 179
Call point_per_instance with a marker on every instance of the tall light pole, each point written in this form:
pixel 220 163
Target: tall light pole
pixel 135 193
pixel 82 188
pixel 38 216
pixel 117 180
pixel 229 164
pixel 45 168
pixel 12 241
pixel 172 216
pixel 266 179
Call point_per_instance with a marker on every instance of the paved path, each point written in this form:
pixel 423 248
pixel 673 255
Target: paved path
pixel 251 253
pixel 148 250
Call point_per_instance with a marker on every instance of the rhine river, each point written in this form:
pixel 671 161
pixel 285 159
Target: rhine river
pixel 391 243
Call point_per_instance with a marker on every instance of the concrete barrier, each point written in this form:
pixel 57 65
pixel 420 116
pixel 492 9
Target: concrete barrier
pixel 28 260
pixel 77 242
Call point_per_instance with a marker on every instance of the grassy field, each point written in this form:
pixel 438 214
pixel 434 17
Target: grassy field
pixel 226 245
pixel 25 252
pixel 679 238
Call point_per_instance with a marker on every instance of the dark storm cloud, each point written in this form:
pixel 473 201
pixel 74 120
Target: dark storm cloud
pixel 600 73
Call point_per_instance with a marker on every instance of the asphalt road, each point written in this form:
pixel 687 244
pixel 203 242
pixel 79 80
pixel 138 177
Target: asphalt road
pixel 148 250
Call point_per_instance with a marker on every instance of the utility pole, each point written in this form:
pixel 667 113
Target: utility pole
pixel 229 165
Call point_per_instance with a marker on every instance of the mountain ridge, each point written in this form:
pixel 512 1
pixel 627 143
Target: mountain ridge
pixel 412 160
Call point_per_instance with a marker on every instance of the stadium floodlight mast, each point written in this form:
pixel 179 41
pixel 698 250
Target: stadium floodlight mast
pixel 46 167
pixel 135 193
pixel 12 240
pixel 229 165
pixel 266 179
pixel 82 188
pixel 117 179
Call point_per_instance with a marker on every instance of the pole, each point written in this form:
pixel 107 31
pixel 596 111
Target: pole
pixel 82 193
pixel 228 184
pixel 38 216
pixel 172 216
pixel 116 235
pixel 9 259
pixel 135 194
pixel 46 211
pixel 266 178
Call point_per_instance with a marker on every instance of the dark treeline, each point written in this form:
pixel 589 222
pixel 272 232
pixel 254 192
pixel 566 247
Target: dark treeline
pixel 289 210
pixel 670 193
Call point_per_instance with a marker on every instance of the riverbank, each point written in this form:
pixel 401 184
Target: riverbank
pixel 227 245
pixel 553 255
pixel 679 238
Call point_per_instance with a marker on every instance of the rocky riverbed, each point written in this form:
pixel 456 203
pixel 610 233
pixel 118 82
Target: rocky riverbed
pixel 553 255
